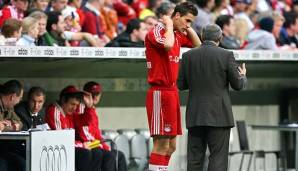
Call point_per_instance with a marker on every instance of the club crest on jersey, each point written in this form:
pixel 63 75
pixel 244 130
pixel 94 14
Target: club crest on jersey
pixel 174 59
pixel 167 128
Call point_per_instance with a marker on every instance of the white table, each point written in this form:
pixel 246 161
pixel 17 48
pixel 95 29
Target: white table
pixel 46 150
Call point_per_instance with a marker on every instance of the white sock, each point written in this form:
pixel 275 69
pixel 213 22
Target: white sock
pixel 157 168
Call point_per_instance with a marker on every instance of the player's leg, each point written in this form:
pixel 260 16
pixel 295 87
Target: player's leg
pixel 159 158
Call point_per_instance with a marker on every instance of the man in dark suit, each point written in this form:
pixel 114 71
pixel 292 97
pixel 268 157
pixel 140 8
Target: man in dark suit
pixel 31 112
pixel 207 72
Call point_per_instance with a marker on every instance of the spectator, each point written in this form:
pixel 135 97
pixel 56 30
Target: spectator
pixel 95 24
pixel 124 12
pixel 12 31
pixel 76 4
pixel 39 5
pixel 204 16
pixel 44 38
pixel 133 36
pixel 58 5
pixel 60 115
pixel 30 31
pixel 31 111
pixel 151 9
pixel 11 93
pixel 278 23
pixel 88 131
pixel 16 10
pixel 222 7
pixel 110 18
pixel 241 31
pixel 262 38
pixel 295 6
pixel 227 25
pixel 288 34
pixel 56 29
pixel 240 9
pixel 150 22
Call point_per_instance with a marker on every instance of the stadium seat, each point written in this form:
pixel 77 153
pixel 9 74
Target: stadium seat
pixel 149 141
pixel 129 133
pixel 122 144
pixel 139 153
pixel 109 134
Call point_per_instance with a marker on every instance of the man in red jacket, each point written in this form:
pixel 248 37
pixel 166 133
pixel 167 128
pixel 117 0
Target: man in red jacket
pixel 60 115
pixel 15 10
pixel 87 124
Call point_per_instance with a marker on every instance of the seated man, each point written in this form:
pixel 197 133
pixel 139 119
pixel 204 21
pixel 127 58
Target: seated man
pixel 11 93
pixel 87 124
pixel 31 111
pixel 60 115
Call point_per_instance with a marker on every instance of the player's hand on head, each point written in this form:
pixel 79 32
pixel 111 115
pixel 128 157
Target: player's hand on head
pixel 88 100
pixel 166 20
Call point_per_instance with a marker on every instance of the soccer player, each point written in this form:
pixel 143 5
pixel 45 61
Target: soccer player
pixel 163 44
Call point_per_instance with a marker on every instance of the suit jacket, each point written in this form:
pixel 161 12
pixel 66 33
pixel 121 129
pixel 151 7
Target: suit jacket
pixel 207 72
pixel 23 111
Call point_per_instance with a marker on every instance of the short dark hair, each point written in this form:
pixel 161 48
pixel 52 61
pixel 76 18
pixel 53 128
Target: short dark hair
pixel 36 91
pixel 184 8
pixel 53 18
pixel 201 3
pixel 10 26
pixel 290 19
pixel 11 87
pixel 223 20
pixel 132 25
pixel 211 32
pixel 267 24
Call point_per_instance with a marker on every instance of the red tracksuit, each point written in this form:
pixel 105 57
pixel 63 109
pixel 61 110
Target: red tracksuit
pixel 87 128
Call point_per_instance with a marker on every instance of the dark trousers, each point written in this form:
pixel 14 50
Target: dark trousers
pixel 122 166
pixel 11 161
pixel 87 159
pixel 217 139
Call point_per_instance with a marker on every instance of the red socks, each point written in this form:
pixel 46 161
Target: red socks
pixel 158 162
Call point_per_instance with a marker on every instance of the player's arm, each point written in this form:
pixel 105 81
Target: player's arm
pixel 193 36
pixel 169 34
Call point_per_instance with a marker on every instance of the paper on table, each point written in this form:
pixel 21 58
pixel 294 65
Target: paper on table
pixel 15 133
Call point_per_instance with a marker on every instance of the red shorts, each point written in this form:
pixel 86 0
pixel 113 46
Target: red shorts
pixel 163 111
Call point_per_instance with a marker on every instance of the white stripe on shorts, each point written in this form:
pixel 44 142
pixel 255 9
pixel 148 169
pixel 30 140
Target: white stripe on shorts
pixel 155 121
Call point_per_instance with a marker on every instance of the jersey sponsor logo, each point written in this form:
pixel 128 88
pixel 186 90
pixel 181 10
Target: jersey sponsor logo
pixel 174 59
pixel 149 65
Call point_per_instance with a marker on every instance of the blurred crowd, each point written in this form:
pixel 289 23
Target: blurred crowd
pixel 246 24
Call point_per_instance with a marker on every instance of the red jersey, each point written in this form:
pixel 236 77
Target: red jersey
pixel 163 65
pixel 10 12
pixel 58 120
pixel 87 125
